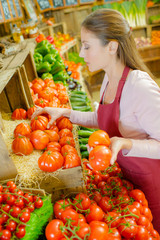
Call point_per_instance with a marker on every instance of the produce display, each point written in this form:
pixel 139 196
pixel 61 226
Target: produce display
pixel 21 211
pixel 142 42
pixel 155 38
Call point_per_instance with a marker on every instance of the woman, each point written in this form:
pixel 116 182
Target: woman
pixel 129 110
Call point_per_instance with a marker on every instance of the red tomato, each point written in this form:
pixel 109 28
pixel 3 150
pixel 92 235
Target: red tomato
pixel 65 132
pixel 60 206
pixel 22 129
pixel 67 141
pixel 147 212
pixel 95 214
pixel 105 203
pixel 39 123
pixel 25 216
pixel 22 146
pixel 132 211
pixel 70 214
pixel 19 114
pixel 39 139
pixel 128 228
pixel 64 122
pixel 112 219
pixel 83 231
pixel 142 233
pixel 113 234
pixel 30 111
pixel 53 135
pixel 20 232
pixel 66 149
pixel 99 157
pixel 50 161
pixel 99 137
pixel 5 234
pixel 138 195
pixel 54 146
pixel 99 230
pixel 72 160
pixel 82 201
pixel 53 231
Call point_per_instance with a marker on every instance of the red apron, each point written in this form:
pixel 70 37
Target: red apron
pixel 144 173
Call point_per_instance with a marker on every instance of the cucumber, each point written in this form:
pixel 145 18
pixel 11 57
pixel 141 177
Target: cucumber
pixel 83 140
pixel 78 96
pixel 83 133
pixel 88 129
pixel 83 147
pixel 78 92
pixel 73 99
pixel 82 108
pixel 85 154
pixel 78 104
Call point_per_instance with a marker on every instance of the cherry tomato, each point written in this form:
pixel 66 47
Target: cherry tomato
pixel 128 228
pixel 70 214
pixel 52 231
pixel 95 214
pixel 142 233
pixel 112 219
pixel 11 225
pixel 82 201
pixel 20 232
pixel 5 234
pixel 60 206
pixel 99 230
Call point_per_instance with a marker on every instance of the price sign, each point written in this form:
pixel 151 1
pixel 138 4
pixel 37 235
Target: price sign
pixel 30 9
pixel 12 8
pixel 5 8
pixel 58 3
pixel 87 1
pixel 71 2
pixel 44 4
pixel 1 17
pixel 19 11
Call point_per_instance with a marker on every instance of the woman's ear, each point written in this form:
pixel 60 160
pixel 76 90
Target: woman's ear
pixel 113 46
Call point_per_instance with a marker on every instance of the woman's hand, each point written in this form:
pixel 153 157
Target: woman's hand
pixel 118 144
pixel 53 112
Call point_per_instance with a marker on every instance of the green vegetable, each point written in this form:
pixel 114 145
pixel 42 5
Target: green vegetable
pixel 83 147
pixel 73 99
pixel 42 43
pixel 83 133
pixel 62 75
pixel 78 92
pixel 57 67
pixel 46 75
pixel 54 52
pixel 85 154
pixel 78 96
pixel 76 58
pixel 38 58
pixel 49 58
pixel 43 50
pixel 44 67
pixel 82 108
pixel 83 140
pixel 88 129
pixel 74 104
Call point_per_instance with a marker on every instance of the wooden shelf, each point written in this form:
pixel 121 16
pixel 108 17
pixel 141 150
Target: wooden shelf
pixel 151 59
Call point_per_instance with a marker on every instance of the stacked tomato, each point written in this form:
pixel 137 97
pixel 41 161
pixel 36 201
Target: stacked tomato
pixel 74 68
pixel 46 93
pixel 57 141
pixel 111 210
pixel 15 210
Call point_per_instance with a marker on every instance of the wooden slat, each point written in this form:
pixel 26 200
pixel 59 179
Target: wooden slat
pixel 5 76
pixel 18 60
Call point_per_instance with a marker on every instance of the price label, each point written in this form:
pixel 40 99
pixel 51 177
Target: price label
pixel 44 4
pixel 6 11
pixel 58 3
pixel 19 11
pixel 86 1
pixel 12 8
pixel 71 2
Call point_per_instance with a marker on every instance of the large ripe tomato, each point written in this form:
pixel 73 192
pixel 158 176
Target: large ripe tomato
pixel 36 87
pixel 53 231
pixel 22 146
pixel 39 81
pixel 49 83
pixel 105 203
pixel 99 230
pixel 41 102
pixel 30 111
pixel 54 146
pixel 82 201
pixel 47 93
pixel 53 135
pixel 60 206
pixel 39 123
pixel 19 114
pixel 99 157
pixel 63 97
pixel 66 149
pixel 64 122
pixel 65 132
pixel 95 214
pixel 132 211
pixel 142 233
pixel 67 141
pixel 128 228
pixel 72 160
pixel 70 214
pixel 50 161
pixel 39 139
pixel 113 234
pixel 138 195
pixel 22 129
pixel 99 137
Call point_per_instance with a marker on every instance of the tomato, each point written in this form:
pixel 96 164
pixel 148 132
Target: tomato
pixel 11 186
pixel 70 215
pixel 132 211
pixel 5 234
pixel 54 127
pixel 82 201
pixel 24 217
pixel 6 208
pixel 128 228
pixel 147 212
pixel 114 181
pixel 122 200
pixel 66 149
pixel 112 219
pixel 144 221
pixel 10 200
pixel 11 225
pixel 54 146
pixel 19 203
pixel 30 111
pixel 120 190
pixel 127 184
pixel 39 81
pixel 105 203
pixel 20 232
pixel 99 230
pixel 67 141
pixel 15 211
pixel 99 137
pixel 39 123
pixel 19 114
pixel 53 135
pixel 95 214
pixel 60 206
pixel 65 132
pixel 49 83
pixel 99 157
pixel 81 219
pixel 142 233
pixel 36 87
pixel 39 139
pixel 138 195
pixel 155 234
pixel 22 146
pixel 28 198
pixel 83 231
pixel 96 179
pixel 96 196
pixel 38 203
pixel 50 161
pixel 22 129
pixel 48 93
pixel 41 102
pixel 64 122
pixel 113 234
pixel 72 160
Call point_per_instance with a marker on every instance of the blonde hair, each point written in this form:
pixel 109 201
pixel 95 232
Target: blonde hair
pixel 109 24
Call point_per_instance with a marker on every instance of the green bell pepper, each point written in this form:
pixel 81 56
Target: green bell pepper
pixel 54 52
pixel 38 58
pixel 44 67
pixel 43 50
pixel 46 75
pixel 57 67
pixel 62 76
pixel 42 43
pixel 49 58
pixel 58 57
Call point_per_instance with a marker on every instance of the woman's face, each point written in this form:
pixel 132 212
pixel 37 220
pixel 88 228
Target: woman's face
pixel 94 53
